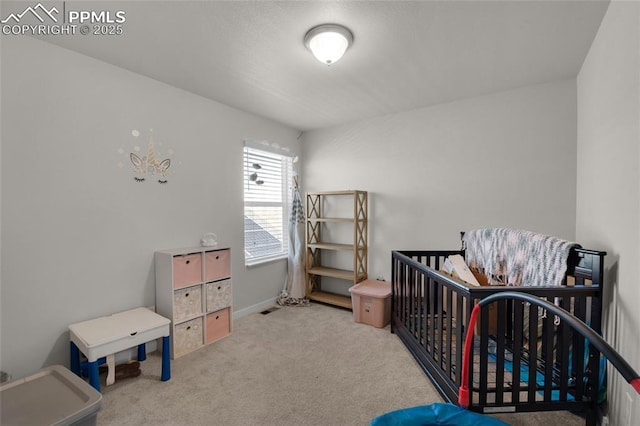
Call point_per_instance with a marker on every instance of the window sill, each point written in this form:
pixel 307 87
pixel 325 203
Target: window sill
pixel 258 262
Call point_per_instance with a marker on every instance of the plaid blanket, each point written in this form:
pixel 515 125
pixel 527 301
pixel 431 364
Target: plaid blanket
pixel 516 257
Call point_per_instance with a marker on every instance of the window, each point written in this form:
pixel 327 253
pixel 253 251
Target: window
pixel 267 197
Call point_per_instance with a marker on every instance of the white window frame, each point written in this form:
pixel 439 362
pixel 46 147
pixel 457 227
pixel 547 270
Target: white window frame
pixel 251 190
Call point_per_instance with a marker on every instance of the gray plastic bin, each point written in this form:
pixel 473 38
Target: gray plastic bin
pixel 52 396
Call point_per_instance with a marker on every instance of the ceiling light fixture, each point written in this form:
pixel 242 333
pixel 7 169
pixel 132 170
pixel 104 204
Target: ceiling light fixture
pixel 328 42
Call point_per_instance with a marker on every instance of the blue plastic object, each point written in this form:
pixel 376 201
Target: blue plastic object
pixel 438 414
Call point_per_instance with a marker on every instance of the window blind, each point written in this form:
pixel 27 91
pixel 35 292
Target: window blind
pixel 267 197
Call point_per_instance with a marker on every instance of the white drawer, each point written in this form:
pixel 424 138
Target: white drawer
pixel 217 265
pixel 218 295
pixel 187 337
pixel 187 270
pixel 187 303
pixel 218 325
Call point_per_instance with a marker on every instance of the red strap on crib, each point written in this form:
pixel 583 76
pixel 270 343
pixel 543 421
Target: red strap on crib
pixel 636 384
pixel 463 391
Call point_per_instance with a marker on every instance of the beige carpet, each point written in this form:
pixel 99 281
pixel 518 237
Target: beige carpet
pixel 295 366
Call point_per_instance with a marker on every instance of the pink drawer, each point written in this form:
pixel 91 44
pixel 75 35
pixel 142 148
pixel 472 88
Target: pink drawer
pixel 217 265
pixel 218 295
pixel 218 325
pixel 187 337
pixel 187 270
pixel 187 303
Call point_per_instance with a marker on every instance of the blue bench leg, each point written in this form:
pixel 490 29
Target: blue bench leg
pixel 94 379
pixel 166 361
pixel 75 358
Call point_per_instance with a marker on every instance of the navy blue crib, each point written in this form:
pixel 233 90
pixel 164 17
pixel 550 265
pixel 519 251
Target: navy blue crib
pixel 523 357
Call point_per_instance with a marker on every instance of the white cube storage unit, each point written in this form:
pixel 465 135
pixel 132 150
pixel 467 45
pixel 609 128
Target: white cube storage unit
pixel 193 289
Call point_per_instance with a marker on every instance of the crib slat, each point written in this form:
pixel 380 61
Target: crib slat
pixel 411 300
pixel 484 350
pixel 462 307
pixel 472 365
pixel 594 367
pixel 439 324
pixel 518 308
pixel 578 353
pixel 428 320
pixel 416 301
pixel 533 353
pixel 564 345
pixel 431 335
pixel 548 332
pixel 424 308
pixel 406 290
pixel 419 304
pixel 448 330
pixel 398 287
pixel 500 333
pixel 402 296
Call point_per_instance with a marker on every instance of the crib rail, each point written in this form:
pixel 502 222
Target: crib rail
pixel 560 314
pixel 524 360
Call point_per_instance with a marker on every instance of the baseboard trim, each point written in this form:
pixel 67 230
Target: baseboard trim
pixel 258 307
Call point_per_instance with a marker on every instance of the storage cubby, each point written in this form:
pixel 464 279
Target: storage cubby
pixel 193 290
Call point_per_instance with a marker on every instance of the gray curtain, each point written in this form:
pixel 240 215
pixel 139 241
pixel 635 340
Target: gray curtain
pixel 295 290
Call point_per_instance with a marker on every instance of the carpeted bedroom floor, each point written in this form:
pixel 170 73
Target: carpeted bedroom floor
pixel 294 366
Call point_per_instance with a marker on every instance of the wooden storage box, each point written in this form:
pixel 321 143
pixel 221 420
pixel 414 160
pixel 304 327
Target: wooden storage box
pixel 187 270
pixel 218 325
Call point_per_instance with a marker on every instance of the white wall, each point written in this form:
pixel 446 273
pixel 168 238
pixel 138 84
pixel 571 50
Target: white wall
pixel 503 160
pixel 78 233
pixel 608 185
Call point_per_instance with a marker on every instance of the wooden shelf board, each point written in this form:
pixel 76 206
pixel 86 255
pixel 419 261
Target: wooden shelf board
pixel 346 192
pixel 331 272
pixel 331 246
pixel 332 219
pixel 331 298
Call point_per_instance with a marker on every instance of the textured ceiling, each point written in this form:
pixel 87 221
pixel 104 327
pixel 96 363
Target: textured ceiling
pixel 406 55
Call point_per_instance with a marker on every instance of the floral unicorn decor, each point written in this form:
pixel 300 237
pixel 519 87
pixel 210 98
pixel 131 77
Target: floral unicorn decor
pixel 149 165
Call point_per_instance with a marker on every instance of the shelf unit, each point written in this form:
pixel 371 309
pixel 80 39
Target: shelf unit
pixel 193 290
pixel 323 214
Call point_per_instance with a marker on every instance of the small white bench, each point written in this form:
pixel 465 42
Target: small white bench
pixel 104 336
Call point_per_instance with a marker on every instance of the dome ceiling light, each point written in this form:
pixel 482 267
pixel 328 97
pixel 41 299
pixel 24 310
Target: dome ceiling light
pixel 328 42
